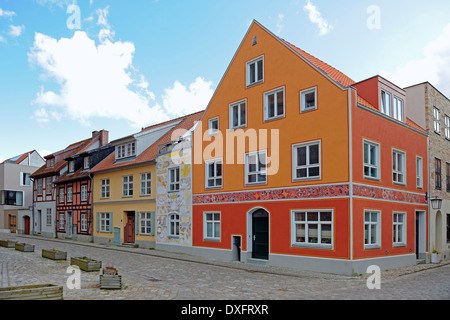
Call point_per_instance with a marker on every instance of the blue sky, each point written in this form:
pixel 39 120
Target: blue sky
pixel 133 63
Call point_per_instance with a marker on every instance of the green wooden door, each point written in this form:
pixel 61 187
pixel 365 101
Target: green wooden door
pixel 260 223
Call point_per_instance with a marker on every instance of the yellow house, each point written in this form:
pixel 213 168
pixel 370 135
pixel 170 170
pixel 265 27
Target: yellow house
pixel 124 186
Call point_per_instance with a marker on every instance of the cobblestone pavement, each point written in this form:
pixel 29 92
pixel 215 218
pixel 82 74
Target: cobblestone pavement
pixel 157 275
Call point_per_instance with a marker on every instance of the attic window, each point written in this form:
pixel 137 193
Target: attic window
pixel 254 41
pixel 50 162
pixel 126 150
pixel 71 166
pixel 86 163
pixel 255 71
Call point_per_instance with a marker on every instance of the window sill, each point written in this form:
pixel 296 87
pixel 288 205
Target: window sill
pixel 211 239
pixel 372 178
pixel 249 85
pixel 214 188
pixel 274 118
pixel 256 184
pixel 308 110
pixel 371 246
pixel 238 127
pixel 312 246
pixel 306 179
pixel 398 245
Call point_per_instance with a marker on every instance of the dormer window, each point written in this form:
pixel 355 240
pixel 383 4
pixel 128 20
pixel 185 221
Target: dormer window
pixel 386 103
pixel 398 109
pixel 126 150
pixel 86 163
pixel 50 162
pixel 71 166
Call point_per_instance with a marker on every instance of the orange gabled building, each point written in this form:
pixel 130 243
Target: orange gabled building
pixel 279 174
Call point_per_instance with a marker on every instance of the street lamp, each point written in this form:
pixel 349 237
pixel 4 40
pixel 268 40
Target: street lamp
pixel 436 203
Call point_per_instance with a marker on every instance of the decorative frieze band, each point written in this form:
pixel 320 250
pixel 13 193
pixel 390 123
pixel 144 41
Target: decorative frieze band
pixel 311 192
pixel 325 191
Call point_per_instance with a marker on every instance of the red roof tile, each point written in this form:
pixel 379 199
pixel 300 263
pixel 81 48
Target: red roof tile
pixel 151 153
pixel 333 73
pixel 60 156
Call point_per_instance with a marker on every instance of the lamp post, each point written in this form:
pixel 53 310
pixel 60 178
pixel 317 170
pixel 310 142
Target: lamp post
pixel 436 203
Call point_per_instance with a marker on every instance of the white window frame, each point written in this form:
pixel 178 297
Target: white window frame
pixel 49 217
pixel 241 124
pixel 145 226
pixel 174 225
pixel 436 120
pixel 211 130
pixel 69 194
pixel 216 179
pixel 86 163
pixel 39 186
pixel 84 193
pixel 48 185
pixel 248 71
pixel 71 166
pixel 126 150
pixel 369 165
pixel 261 170
pixel 396 226
pixel 174 184
pixel 24 181
pixel 308 164
pixel 395 170
pixel 303 93
pixel 127 186
pixel 386 104
pixel 61 195
pixel 447 126
pixel 213 222
pixel 104 191
pixel 146 184
pixel 369 223
pixel 398 109
pixel 105 220
pixel 61 220
pixel 419 172
pixel 83 221
pixel 308 223
pixel 275 106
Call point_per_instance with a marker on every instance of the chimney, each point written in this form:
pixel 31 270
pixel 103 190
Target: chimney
pixel 104 138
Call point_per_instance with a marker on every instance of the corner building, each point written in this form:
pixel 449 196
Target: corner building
pixel 293 166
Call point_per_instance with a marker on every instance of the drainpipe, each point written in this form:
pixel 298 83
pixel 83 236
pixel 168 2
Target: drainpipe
pixel 92 207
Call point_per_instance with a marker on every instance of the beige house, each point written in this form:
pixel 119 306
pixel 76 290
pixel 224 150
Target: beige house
pixel 16 191
pixel 430 109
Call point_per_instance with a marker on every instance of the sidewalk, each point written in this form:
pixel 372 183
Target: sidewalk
pixel 230 264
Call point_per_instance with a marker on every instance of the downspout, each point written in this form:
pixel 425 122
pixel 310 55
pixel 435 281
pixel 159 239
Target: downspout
pixel 428 248
pixel 350 148
pixel 92 207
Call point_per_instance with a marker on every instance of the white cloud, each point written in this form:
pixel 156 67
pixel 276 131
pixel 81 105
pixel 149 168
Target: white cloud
pixel 95 81
pixel 280 23
pixel 50 3
pixel 16 31
pixel 99 80
pixel 316 17
pixel 6 13
pixel 2 39
pixel 181 100
pixel 433 67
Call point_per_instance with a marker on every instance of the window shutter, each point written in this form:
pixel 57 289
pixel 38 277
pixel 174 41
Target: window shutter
pixel 110 222
pixel 136 222
pixel 97 221
pixel 152 223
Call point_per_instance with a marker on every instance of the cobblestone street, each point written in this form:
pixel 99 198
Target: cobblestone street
pixel 150 274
